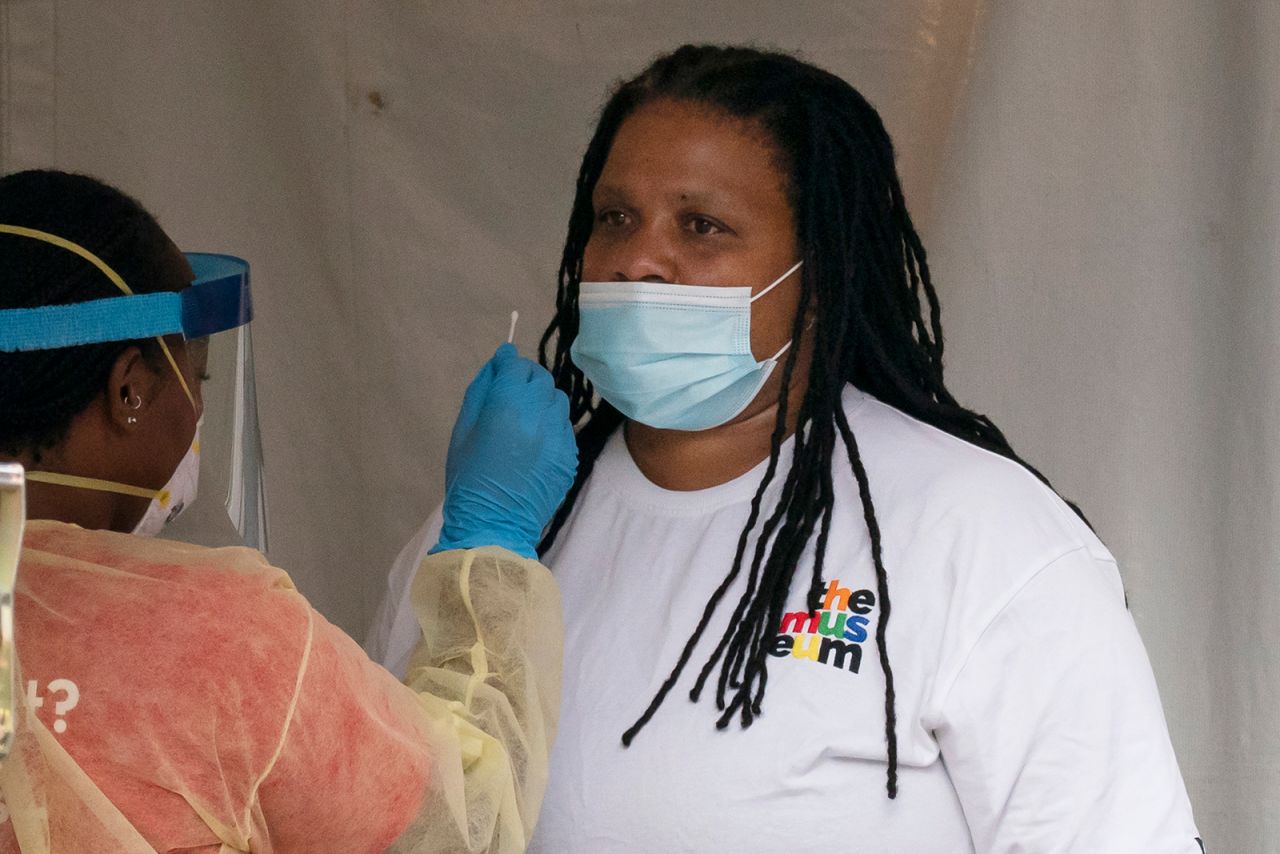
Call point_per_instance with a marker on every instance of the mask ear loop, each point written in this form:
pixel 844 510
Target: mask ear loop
pixel 115 279
pixel 182 381
pixel 777 281
pixel 787 346
pixel 99 485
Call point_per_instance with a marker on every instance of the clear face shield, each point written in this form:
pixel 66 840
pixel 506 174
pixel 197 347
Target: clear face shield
pixel 217 487
pixel 230 507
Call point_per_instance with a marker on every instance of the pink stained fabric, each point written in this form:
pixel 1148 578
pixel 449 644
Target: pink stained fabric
pixel 217 710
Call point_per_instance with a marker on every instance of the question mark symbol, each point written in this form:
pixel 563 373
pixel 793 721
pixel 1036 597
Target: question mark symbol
pixel 61 707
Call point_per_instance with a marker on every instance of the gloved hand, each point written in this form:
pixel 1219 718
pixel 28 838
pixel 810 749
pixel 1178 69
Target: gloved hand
pixel 512 458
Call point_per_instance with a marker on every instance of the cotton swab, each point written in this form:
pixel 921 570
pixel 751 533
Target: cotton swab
pixel 511 334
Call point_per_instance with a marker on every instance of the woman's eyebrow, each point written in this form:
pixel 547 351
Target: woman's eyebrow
pixel 686 196
pixel 608 192
pixel 700 197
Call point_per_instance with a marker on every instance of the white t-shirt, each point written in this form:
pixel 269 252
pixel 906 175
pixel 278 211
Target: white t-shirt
pixel 1028 717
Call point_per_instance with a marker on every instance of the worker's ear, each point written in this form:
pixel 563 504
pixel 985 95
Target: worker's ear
pixel 131 390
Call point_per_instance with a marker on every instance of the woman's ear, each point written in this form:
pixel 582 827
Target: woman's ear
pixel 811 312
pixel 131 389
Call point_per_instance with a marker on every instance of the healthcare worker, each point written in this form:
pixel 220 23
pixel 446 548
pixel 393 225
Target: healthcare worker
pixel 911 642
pixel 180 698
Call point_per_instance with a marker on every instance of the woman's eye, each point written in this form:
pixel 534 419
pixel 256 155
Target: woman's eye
pixel 612 218
pixel 702 225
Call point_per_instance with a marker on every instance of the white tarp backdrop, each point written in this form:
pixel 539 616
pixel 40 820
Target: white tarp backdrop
pixel 1096 182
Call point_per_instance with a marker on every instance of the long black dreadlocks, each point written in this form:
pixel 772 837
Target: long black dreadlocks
pixel 864 267
pixel 41 391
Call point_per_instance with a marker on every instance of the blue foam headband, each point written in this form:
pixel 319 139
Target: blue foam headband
pixel 216 301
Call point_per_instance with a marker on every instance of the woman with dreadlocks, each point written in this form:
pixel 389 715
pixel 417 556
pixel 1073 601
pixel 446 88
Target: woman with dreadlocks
pixel 783 513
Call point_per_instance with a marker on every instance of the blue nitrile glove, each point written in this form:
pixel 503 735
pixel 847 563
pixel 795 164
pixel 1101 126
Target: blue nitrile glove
pixel 512 458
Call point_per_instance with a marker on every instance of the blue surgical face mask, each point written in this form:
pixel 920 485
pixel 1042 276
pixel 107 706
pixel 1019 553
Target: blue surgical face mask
pixel 676 357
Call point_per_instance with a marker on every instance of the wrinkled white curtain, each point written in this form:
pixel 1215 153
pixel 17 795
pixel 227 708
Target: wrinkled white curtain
pixel 1096 182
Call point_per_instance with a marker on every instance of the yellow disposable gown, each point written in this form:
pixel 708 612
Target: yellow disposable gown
pixel 215 710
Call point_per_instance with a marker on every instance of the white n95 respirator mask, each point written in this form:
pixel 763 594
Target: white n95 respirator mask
pixel 176 495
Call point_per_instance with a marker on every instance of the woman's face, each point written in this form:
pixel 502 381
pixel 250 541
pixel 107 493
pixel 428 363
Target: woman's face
pixel 692 196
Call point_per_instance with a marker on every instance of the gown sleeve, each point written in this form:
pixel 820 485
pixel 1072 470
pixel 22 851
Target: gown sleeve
pixel 453 759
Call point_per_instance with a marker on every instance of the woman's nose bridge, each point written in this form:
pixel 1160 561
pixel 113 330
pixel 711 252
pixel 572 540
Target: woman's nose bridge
pixel 648 254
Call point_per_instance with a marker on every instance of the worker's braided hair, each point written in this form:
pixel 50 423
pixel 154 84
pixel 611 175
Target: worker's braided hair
pixel 42 391
pixel 864 267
